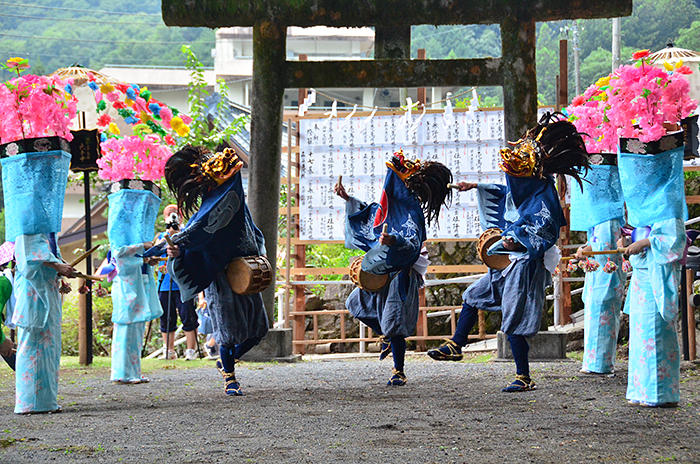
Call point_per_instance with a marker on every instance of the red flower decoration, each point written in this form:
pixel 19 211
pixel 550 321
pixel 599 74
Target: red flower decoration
pixel 170 140
pixel 104 120
pixel 119 105
pixel 640 54
pixel 684 70
pixel 578 100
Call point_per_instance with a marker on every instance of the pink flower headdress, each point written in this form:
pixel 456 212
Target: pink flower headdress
pixel 635 101
pixel 34 106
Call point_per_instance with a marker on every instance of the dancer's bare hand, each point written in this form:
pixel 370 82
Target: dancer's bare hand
pixel 637 247
pixel 510 244
pixel 172 251
pixel 387 239
pixel 7 348
pixel 466 186
pixel 63 269
pixel 579 252
pixel 339 190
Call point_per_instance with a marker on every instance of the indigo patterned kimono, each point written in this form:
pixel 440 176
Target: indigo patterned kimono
pixel 655 197
pixel 37 316
pixel 527 210
pixel 396 305
pixel 221 230
pixel 132 217
pixel 599 210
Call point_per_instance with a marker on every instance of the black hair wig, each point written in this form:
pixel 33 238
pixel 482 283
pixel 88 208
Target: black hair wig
pixel 564 149
pixel 430 185
pixel 185 179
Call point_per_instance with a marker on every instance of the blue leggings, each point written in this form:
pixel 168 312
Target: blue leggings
pixel 229 354
pixel 398 343
pixel 518 343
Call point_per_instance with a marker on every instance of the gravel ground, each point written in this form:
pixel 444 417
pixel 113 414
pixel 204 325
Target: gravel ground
pixel 341 411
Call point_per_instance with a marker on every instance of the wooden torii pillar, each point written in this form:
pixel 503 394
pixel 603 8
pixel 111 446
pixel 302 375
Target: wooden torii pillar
pixel 392 20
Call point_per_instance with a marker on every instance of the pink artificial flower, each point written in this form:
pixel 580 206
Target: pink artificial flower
pixel 185 118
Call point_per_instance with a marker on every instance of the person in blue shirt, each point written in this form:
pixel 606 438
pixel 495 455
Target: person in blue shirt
pixel 169 296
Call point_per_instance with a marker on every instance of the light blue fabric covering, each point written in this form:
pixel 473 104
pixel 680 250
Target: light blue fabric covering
pixel 653 187
pixel 652 304
pixel 38 319
pixel 127 342
pixel 34 186
pixel 602 299
pixel 132 217
pixel 134 294
pixel 600 201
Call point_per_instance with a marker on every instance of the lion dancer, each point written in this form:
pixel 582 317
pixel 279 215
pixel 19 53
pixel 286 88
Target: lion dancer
pixel 528 211
pixel 599 209
pixel 413 194
pixel 221 229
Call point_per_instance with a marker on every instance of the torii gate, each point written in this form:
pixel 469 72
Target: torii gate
pixel 392 66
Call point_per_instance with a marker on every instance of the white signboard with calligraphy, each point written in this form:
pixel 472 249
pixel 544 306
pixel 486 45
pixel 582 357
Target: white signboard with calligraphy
pixel 357 149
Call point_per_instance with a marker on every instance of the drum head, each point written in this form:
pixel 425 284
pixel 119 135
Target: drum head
pixel 366 280
pixel 239 275
pixel 488 238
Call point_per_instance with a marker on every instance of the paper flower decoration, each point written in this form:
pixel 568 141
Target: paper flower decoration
pixel 133 157
pixel 137 107
pixel 34 106
pixel 633 102
pixel 610 267
pixel 572 266
pixel 626 266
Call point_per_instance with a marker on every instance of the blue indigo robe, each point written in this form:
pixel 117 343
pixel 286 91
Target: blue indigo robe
pixel 221 230
pixel 395 306
pixel 528 210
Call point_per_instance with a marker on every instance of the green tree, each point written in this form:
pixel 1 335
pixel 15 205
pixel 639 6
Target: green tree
pixel 202 131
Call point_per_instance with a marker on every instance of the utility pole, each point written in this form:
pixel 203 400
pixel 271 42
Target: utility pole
pixel 577 69
pixel 615 43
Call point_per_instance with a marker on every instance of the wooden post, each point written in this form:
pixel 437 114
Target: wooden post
pixel 299 324
pixel 421 97
pixel 422 326
pixel 690 314
pixel 565 233
pixel 563 95
pixel 83 327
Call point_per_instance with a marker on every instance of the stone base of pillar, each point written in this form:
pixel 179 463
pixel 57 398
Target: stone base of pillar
pixel 545 346
pixel 277 346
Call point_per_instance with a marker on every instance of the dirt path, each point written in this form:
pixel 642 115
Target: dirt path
pixel 341 412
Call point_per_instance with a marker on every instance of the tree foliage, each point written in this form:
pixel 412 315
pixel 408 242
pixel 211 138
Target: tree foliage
pixel 58 33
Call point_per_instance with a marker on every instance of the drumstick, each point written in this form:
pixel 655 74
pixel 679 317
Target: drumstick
pixel 453 186
pixel 80 275
pixel 340 181
pixel 385 228
pixel 84 255
pixel 169 240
